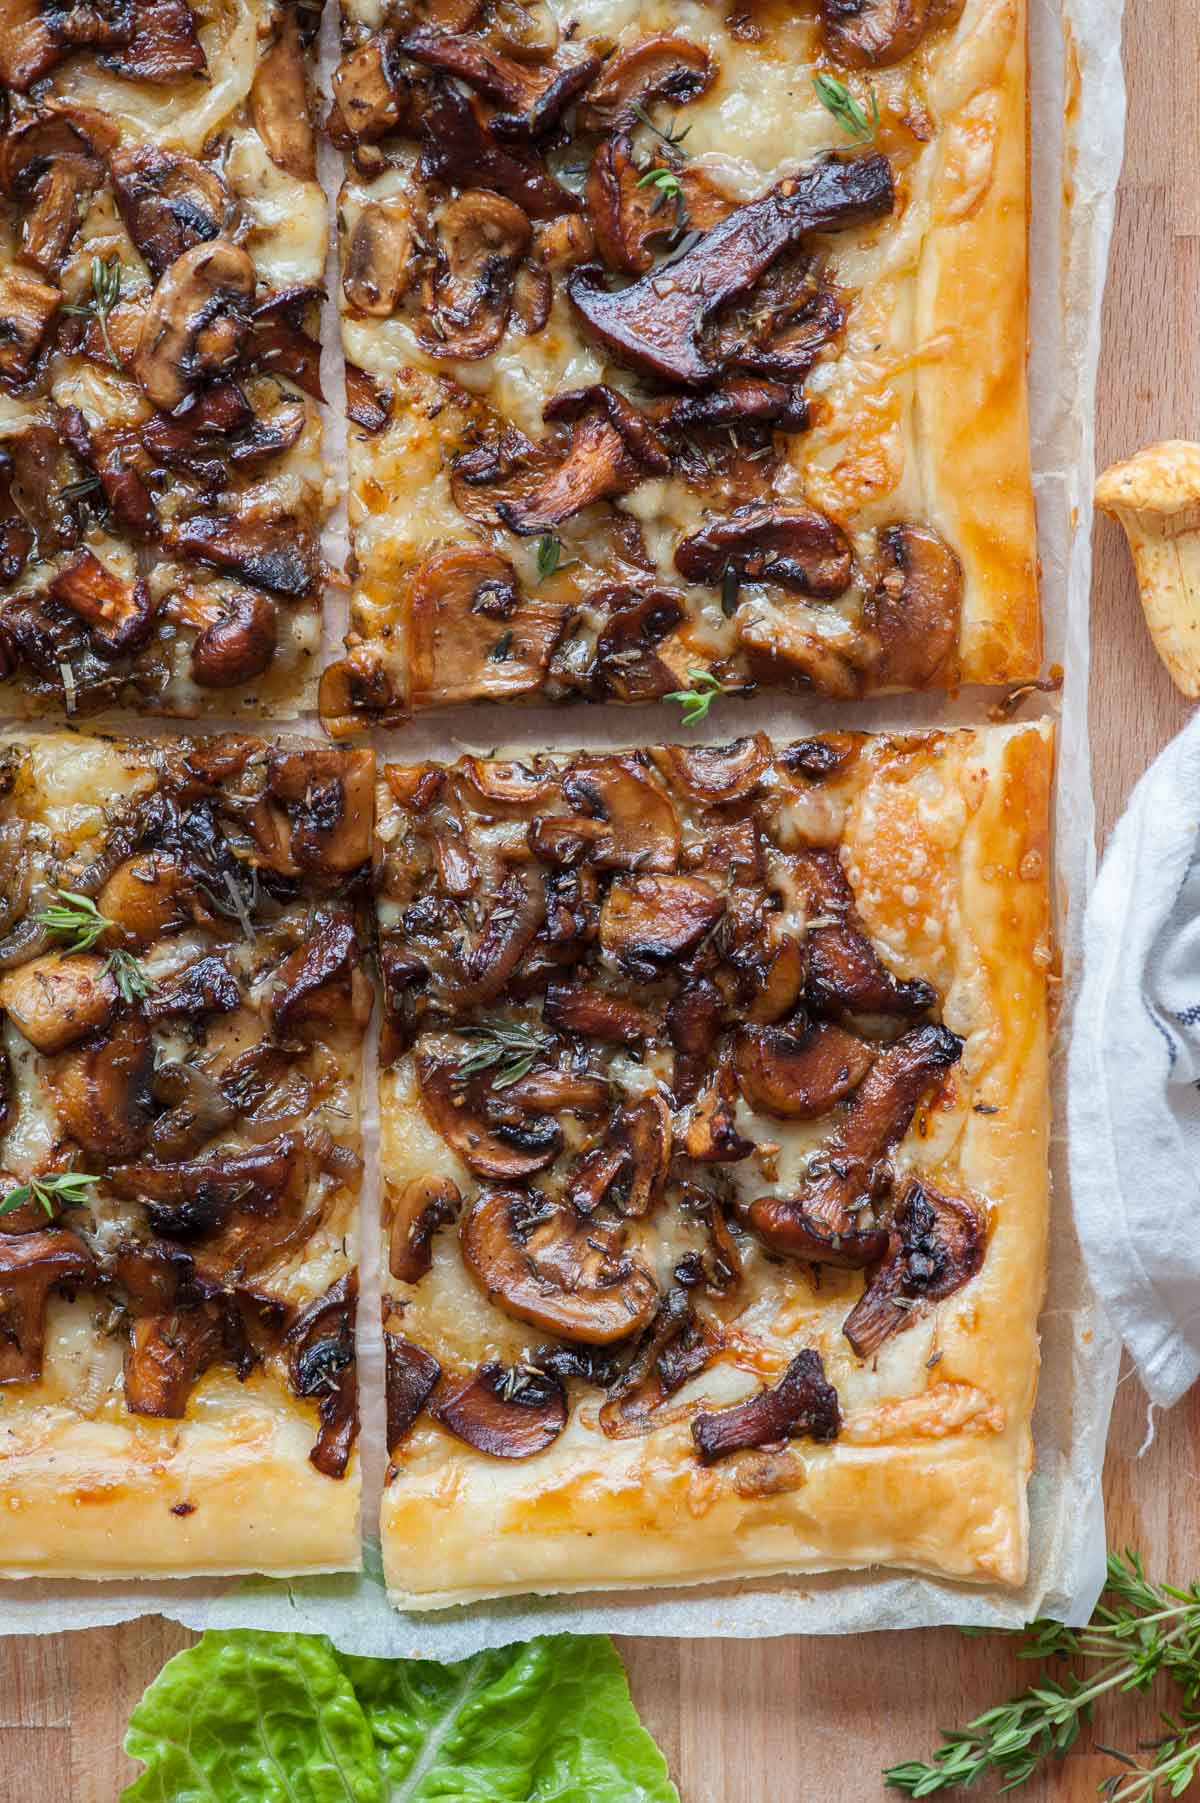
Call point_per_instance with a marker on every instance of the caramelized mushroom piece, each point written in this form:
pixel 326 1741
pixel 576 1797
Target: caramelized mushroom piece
pixel 658 68
pixel 368 403
pixel 414 1212
pixel 53 1001
pixel 27 307
pixel 914 608
pixel 718 775
pixel 279 103
pixel 238 643
pixel 675 1347
pixel 612 449
pixel 48 162
pixel 372 96
pixel 509 1414
pixel 330 802
pixel 594 1014
pixel 626 663
pixel 873 34
pixel 472 635
pixel 280 344
pixel 831 1219
pixel 196 323
pixel 800 1404
pixel 846 976
pixel 510 1150
pixel 711 1135
pixel 119 459
pixel 798 1072
pixel 481 237
pixel 410 1377
pixel 936 1246
pixel 642 826
pixel 629 1168
pixel 166 1356
pixel 533 99
pixel 267 549
pixel 543 1263
pixel 118 615
pixel 796 547
pixel 651 921
pixel 693 1024
pixel 629 214
pixel 548 1092
pixel 655 325
pixel 206 986
pixel 150 895
pixel 102 1090
pixel 169 202
pixel 31 1265
pixel 320 985
pixel 459 150
pixel 161 44
pixel 29 47
pixel 246 1206
pixel 382 259
pixel 320 1352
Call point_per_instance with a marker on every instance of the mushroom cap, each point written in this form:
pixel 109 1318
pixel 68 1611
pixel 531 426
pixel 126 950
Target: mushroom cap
pixel 1163 478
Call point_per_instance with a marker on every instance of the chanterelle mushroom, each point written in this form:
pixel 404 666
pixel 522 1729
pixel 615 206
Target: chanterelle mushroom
pixel 196 322
pixel 800 1403
pixel 1156 497
pixel 796 547
pixel 612 449
pixel 936 1246
pixel 31 1265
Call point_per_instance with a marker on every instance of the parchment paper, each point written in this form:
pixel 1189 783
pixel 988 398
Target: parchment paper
pixel 1077 130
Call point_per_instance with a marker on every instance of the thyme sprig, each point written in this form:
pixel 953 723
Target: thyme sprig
pixel 550 558
pixel 106 292
pixel 69 1187
pixel 697 700
pixel 847 109
pixel 508 1047
pixel 1139 1631
pixel 670 137
pixel 129 975
pixel 74 918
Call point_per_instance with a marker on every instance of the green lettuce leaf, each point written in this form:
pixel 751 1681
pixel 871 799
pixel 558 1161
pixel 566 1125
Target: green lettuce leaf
pixel 550 1721
pixel 244 1717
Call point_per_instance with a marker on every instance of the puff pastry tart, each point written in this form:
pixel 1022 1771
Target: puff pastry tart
pixel 182 1008
pixel 714 1156
pixel 681 340
pixel 162 242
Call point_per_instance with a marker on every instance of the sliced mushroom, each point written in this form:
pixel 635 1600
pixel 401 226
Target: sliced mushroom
pixel 846 976
pixel 799 1072
pixel 165 1357
pixel 936 1246
pixel 543 1263
pixel 800 1404
pixel 472 636
pixel 693 1025
pixel 368 403
pixel 651 921
pixel 655 325
pixel 120 460
pixel 321 1365
pixel 629 1167
pixel 526 29
pixel 630 215
pixel 831 1219
pixel 239 641
pixel 48 162
pixel 330 802
pixel 873 34
pixel 29 47
pixel 658 68
pixel 281 345
pixel 532 99
pixel 162 44
pixel 595 1014
pixel 675 1347
pixel 31 1265
pixel 169 202
pixel 738 402
pixel 414 1211
pixel 372 96
pixel 382 259
pixel 718 775
pixel 245 1207
pixel 118 615
pixel 553 1091
pixel 626 663
pixel 320 986
pixel 459 151
pixel 101 1090
pixel 27 307
pixel 196 1110
pixel 796 547
pixel 612 449
pixel 642 825
pixel 17 537
pixel 508 1414
pixel 711 1135
pixel 54 1001
pixel 266 548
pixel 150 895
pixel 510 1150
pixel 481 237
pixel 914 609
pixel 410 1377
pixel 206 986
pixel 196 323
pixel 279 103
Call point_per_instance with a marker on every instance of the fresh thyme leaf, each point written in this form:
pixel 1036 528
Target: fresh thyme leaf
pixel 128 974
pixel 550 557
pixel 665 180
pixel 697 700
pixel 847 109
pixel 508 1047
pixel 74 918
pixel 69 1187
pixel 106 292
pixel 671 136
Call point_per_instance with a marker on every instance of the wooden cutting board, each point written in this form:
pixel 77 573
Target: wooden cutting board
pixel 796 1721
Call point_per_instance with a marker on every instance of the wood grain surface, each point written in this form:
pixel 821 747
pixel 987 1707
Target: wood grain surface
pixel 813 1721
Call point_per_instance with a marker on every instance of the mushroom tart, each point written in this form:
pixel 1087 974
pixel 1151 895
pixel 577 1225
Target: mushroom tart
pixel 713 1148
pixel 685 345
pixel 162 250
pixel 182 1008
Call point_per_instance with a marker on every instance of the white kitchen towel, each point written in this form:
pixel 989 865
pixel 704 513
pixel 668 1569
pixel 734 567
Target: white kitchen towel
pixel 1134 1075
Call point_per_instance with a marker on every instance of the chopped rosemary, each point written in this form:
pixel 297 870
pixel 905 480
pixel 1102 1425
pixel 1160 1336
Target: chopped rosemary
pixel 129 975
pixel 670 137
pixel 550 557
pixel 75 918
pixel 70 1188
pixel 507 1047
pixel 106 292
pixel 847 109
pixel 697 700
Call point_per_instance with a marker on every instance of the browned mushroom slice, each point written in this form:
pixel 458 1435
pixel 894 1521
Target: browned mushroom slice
pixel 162 44
pixel 414 1212
pixel 368 403
pixel 330 802
pixel 169 202
pixel 320 1353
pixel 594 1014
pixel 272 551
pixel 247 1207
pixel 281 346
pixel 872 34
pixel 152 1275
pixel 642 825
pixel 320 985
pixel 472 636
pixel 372 96
pixel 799 1072
pixel 675 1347
pixel 544 1263
pixel 269 435
pixel 481 237
pixel 26 308
pixel 711 1135
pixel 165 1357
pixel 626 663
pixel 54 1001
pixel 119 459
pixel 410 1377
pixel 629 1167
pixel 718 775
pixel 149 895
pixel 459 150
pixel 552 1091
pixel 796 547
pixel 102 1090
pixel 846 976
pixel 508 1149
pixel 29 47
pixel 31 1265
pixel 17 537
pixel 118 614
pixel 509 1414
pixel 914 608
pixel 627 214
pixel 279 103
pixel 693 1024
pixel 533 98
pixel 48 162
pixel 831 1218
pixel 612 449
pixel 655 325
pixel 650 921
pixel 196 323
pixel 382 257
pixel 512 923
pixel 239 641
pixel 206 986
pixel 936 1246
pixel 658 68
pixel 738 401
pixel 800 1404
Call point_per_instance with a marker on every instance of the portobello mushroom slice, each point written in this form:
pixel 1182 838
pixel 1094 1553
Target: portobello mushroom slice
pixel 846 976
pixel 509 1148
pixel 471 634
pixel 801 1404
pixel 166 1356
pixel 510 1413
pixel 459 150
pixel 530 99
pixel 31 1265
pixel 796 547
pixel 612 449
pixel 169 202
pixel 936 1246
pixel 321 1364
pixel 655 325
pixel 118 615
pixel 799 1071
pixel 543 1263
pixel 54 1001
pixel 197 322
pixel 101 1090
pixel 663 67
pixel 831 1219
pixel 914 608
pixel 413 1212
pixel 410 1377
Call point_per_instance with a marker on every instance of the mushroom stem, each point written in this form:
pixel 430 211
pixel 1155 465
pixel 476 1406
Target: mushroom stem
pixel 1156 497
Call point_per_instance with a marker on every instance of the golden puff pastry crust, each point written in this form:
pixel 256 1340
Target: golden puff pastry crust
pixel 640 449
pixel 769 1075
pixel 182 1007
